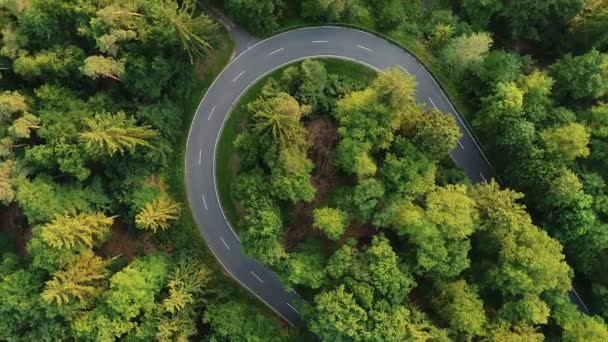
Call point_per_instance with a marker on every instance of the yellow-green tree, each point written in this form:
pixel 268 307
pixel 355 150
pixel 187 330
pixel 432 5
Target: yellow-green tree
pixel 81 230
pixel 100 66
pixel 111 134
pixel 158 214
pixel 567 142
pixel 187 280
pixel 330 221
pixel 80 280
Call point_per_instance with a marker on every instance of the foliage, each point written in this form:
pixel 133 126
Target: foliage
pixel 330 221
pixel 157 214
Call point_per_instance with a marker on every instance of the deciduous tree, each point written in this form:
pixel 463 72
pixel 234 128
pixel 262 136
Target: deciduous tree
pixel 330 221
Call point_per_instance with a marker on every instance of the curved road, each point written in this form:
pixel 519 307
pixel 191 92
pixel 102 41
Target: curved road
pixel 243 71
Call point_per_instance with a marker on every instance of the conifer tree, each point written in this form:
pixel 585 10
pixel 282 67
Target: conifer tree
pixel 82 230
pixel 79 280
pixel 157 214
pixel 109 134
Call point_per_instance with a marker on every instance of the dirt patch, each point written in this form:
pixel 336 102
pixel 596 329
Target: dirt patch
pixel 123 244
pixel 14 224
pixel 323 136
pixel 361 233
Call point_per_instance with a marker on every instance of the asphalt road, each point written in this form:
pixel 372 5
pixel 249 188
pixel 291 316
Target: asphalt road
pixel 253 63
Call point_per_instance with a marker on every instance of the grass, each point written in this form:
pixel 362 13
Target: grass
pixel 226 170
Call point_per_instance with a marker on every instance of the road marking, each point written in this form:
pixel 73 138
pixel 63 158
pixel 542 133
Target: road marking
pixel 292 308
pixel 459 143
pixel 275 51
pixel 433 103
pixel 364 48
pixel 482 177
pixel 200 155
pixel 319 41
pixel 234 80
pixel 225 244
pixel 204 202
pixel 404 69
pixel 255 275
pixel 210 114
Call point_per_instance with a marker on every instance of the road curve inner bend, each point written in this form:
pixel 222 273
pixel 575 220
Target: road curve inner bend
pixel 241 73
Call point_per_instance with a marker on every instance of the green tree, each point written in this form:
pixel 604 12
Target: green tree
pixel 60 61
pixel 432 132
pixel 396 88
pixel 330 221
pixel 257 16
pixel 466 51
pixel 128 307
pixel 539 21
pixel 530 310
pixel 336 316
pixel 366 197
pixel 407 172
pixel 305 266
pixel 527 259
pixel 42 199
pixel 195 31
pixel 583 77
pixel 109 134
pixel 262 240
pixel 279 116
pixel 504 332
pixel 440 230
pixel 236 321
pixel 459 304
pixel 567 142
pixel 590 26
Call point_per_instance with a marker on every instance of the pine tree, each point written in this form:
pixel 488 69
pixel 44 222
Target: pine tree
pixel 82 230
pixel 79 280
pixel 195 32
pixel 280 116
pixel 157 214
pixel 109 134
pixel 187 280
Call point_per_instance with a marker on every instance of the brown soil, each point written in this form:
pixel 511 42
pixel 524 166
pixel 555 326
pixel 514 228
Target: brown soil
pixel 323 136
pixel 13 223
pixel 124 245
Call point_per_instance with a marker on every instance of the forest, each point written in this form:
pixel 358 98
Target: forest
pixel 343 184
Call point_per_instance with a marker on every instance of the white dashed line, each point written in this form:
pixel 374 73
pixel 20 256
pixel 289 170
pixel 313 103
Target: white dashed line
pixel 275 51
pixel 241 74
pixel 225 244
pixel 433 103
pixel 482 177
pixel 292 308
pixel 404 69
pixel 211 113
pixel 319 41
pixel 204 202
pixel 459 143
pixel 200 156
pixel 364 48
pixel 258 278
